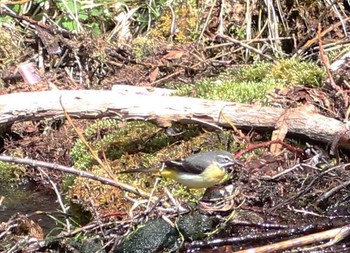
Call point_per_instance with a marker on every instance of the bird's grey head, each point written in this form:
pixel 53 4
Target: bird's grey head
pixel 226 159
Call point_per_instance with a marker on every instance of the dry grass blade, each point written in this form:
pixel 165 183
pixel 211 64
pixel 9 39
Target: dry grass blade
pixel 335 9
pixel 207 21
pixel 273 25
pixel 246 46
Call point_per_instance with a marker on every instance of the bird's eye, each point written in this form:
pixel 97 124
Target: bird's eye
pixel 225 159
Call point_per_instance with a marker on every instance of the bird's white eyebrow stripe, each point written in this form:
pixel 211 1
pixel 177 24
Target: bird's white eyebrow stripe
pixel 225 156
pixel 177 162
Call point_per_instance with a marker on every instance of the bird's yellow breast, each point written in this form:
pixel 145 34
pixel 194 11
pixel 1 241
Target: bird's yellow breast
pixel 211 176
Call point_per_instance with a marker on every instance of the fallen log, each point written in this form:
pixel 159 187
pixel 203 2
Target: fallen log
pixel 165 110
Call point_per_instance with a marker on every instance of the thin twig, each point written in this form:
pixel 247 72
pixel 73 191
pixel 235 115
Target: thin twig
pixel 325 61
pixel 71 170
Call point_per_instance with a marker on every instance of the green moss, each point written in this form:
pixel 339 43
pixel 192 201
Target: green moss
pixel 253 84
pixel 144 46
pixel 188 21
pixel 11 173
pixel 138 145
pixel 115 138
pixel 244 92
pixel 294 72
pixel 254 73
pixel 10 50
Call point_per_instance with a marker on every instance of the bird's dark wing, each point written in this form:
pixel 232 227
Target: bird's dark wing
pixel 183 166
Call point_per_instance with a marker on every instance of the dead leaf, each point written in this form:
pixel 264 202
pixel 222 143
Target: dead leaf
pixel 174 54
pixel 280 133
pixel 154 74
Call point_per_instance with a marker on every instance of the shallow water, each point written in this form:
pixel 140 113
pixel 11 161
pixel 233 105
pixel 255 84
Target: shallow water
pixel 26 199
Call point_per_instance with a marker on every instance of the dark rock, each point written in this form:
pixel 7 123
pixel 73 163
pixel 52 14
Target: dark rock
pixel 194 227
pixel 154 236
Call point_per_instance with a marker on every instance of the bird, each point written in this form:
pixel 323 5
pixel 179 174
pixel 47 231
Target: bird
pixel 202 170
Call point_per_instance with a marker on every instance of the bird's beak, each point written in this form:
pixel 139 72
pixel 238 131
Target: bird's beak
pixel 238 163
pixel 230 166
pixel 235 162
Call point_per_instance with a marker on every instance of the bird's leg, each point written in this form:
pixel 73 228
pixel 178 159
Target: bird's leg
pixel 176 203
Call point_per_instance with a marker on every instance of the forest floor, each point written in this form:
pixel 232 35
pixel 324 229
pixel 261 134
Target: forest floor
pixel 298 191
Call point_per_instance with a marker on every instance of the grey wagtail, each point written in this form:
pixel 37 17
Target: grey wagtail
pixel 201 170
